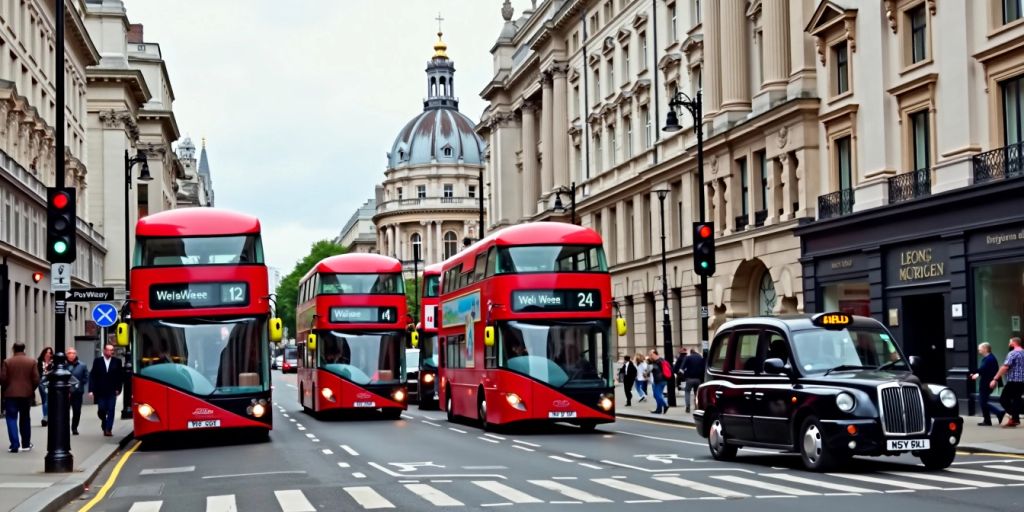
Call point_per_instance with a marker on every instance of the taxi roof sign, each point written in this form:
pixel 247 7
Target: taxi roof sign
pixel 832 320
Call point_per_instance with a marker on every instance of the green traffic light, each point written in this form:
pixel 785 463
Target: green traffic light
pixel 703 264
pixel 60 247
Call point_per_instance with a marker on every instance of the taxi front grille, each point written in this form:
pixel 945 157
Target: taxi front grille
pixel 902 409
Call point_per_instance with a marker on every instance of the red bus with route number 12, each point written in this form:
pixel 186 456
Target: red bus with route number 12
pixel 352 322
pixel 526 317
pixel 201 323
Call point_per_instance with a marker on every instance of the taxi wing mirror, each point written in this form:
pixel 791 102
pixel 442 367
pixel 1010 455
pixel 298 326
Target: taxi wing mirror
pixel 489 336
pixel 915 363
pixel 276 327
pixel 415 336
pixel 311 342
pixel 776 366
pixel 122 334
pixel 620 326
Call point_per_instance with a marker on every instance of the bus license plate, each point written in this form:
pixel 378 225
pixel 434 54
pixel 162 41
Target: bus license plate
pixel 204 424
pixel 903 445
pixel 366 404
pixel 562 414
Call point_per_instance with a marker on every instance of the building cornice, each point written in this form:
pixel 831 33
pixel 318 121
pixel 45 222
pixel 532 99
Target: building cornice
pixel 134 80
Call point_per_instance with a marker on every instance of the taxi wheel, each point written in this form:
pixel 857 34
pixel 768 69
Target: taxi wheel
pixel 716 441
pixel 938 458
pixel 815 454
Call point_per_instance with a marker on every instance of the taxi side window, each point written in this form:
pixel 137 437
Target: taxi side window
pixel 778 348
pixel 745 357
pixel 718 353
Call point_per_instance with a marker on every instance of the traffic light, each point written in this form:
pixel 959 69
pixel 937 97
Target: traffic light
pixel 37 276
pixel 704 248
pixel 60 225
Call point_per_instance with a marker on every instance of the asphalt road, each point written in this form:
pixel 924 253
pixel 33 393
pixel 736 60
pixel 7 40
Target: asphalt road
pixel 422 462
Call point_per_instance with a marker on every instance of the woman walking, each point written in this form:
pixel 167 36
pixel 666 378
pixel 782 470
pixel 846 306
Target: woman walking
pixel 643 372
pixel 45 364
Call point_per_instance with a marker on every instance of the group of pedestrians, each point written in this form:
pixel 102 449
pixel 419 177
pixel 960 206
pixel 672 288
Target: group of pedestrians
pixel 990 377
pixel 636 372
pixel 21 377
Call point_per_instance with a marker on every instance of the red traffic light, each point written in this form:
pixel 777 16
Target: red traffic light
pixel 37 276
pixel 60 200
pixel 704 231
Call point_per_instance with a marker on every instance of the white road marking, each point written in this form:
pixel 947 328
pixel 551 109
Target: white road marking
pixel 944 479
pixel 560 459
pixel 311 436
pixel 788 491
pixel 564 478
pixel 509 493
pixel 523 448
pixel 434 496
pixel 284 415
pixel 301 428
pixel 566 502
pixel 478 468
pixel 636 489
pixel 789 477
pixel 368 498
pixel 291 386
pixel 431 423
pixel 529 444
pixel 406 416
pixel 167 471
pixel 343 464
pixel 453 429
pixel 885 481
pixel 224 503
pixel 986 474
pixel 350 451
pixel 680 441
pixel 293 501
pixel 499 438
pixel 25 485
pixel 327 451
pixel 239 475
pixel 358 475
pixel 315 440
pixel 441 481
pixel 146 506
pixel 300 425
pixel 1007 467
pixel 702 487
pixel 388 472
pixel 506 504
pixel 489 440
pixel 291 420
pixel 569 492
pixel 576 455
pixel 591 466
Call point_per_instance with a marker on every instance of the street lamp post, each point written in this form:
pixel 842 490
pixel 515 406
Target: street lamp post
pixel 666 321
pixel 559 206
pixel 480 193
pixel 693 105
pixel 144 176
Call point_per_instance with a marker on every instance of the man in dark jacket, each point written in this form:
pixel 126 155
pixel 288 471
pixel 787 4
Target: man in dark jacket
pixel 693 374
pixel 79 379
pixel 19 377
pixel 677 368
pixel 627 376
pixel 104 386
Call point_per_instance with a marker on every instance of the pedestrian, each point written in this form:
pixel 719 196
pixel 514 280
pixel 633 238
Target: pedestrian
pixel 627 376
pixel 661 373
pixel 19 375
pixel 79 379
pixel 987 370
pixel 1013 369
pixel 45 364
pixel 105 386
pixel 693 374
pixel 643 373
pixel 677 368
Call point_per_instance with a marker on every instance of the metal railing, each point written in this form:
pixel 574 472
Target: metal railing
pixel 910 185
pixel 999 164
pixel 741 222
pixel 395 204
pixel 835 204
pixel 759 217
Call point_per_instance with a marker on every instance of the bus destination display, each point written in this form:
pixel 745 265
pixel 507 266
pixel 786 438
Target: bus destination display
pixel 364 315
pixel 556 300
pixel 198 295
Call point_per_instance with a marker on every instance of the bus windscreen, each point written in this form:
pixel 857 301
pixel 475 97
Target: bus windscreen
pixel 551 258
pixel 206 250
pixel 361 284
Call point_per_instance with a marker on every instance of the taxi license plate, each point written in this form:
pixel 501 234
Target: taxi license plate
pixel 903 445
pixel 562 414
pixel 365 404
pixel 204 424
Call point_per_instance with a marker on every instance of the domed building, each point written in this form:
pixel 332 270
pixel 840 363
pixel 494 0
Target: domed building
pixel 430 198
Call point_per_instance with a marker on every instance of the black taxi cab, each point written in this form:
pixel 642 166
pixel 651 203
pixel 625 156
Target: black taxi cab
pixel 827 386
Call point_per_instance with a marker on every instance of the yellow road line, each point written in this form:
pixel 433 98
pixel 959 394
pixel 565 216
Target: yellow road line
pixel 110 480
pixel 986 454
pixel 659 423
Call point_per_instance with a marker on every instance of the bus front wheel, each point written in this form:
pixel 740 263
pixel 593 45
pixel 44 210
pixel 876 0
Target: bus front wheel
pixel 448 406
pixel 392 414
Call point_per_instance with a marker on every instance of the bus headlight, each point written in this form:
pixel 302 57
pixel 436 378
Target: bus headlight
pixel 398 395
pixel 516 402
pixel 845 402
pixel 948 398
pixel 257 409
pixel 147 411
pixel 428 378
pixel 606 403
pixel 327 394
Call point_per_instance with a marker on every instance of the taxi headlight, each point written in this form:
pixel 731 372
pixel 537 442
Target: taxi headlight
pixel 845 402
pixel 948 398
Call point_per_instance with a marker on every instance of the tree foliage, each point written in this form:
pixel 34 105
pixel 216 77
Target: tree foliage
pixel 288 290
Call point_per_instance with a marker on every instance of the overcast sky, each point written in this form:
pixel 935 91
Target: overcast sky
pixel 301 100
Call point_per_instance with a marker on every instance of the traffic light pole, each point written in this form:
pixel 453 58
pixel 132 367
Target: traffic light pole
pixel 695 108
pixel 58 447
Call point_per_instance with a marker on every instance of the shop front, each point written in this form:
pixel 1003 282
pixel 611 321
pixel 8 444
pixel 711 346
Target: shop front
pixel 944 273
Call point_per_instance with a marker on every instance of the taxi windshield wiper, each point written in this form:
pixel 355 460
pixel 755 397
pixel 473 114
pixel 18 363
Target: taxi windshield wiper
pixel 848 367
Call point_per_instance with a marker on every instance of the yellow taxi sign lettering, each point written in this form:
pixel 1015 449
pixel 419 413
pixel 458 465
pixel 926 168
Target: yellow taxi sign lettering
pixel 833 320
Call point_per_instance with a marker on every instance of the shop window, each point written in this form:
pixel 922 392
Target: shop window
pixel 998 304
pixel 850 297
pixel 1012 10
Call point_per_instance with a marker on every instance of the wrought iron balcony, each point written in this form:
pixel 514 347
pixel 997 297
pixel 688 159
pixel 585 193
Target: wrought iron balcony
pixel 759 217
pixel 999 164
pixel 741 222
pixel 836 204
pixel 910 185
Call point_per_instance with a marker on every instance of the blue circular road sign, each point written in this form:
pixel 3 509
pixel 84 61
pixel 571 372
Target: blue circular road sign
pixel 105 315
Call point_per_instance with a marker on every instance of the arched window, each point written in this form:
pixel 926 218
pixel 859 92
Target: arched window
pixel 451 244
pixel 767 298
pixel 417 253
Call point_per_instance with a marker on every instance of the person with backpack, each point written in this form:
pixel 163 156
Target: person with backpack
pixel 661 374
pixel 643 373
pixel 627 376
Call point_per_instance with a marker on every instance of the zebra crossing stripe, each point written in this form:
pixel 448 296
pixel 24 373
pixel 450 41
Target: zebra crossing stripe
pixel 944 479
pixel 817 483
pixel 433 495
pixel 639 490
pixel 986 474
pixel 788 491
pixel 368 498
pixel 510 494
pixel 146 506
pixel 293 501
pixel 224 503
pixel 1006 467
pixel 569 492
pixel 702 487
pixel 884 481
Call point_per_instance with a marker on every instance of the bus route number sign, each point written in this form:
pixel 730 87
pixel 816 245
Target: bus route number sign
pixel 364 315
pixel 556 300
pixel 198 295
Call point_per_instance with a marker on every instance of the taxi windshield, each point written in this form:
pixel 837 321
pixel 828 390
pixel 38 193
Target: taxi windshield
pixel 822 350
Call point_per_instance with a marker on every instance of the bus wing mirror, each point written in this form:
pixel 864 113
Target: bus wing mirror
pixel 276 330
pixel 489 336
pixel 415 336
pixel 122 334
pixel 311 342
pixel 620 326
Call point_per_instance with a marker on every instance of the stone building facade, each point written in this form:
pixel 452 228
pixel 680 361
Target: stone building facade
pixel 196 188
pixel 359 234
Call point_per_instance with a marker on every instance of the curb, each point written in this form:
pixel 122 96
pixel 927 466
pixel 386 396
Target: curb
pixel 651 417
pixel 58 495
pixel 990 449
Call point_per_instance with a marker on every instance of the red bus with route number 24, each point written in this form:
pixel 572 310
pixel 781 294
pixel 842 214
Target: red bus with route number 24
pixel 526 317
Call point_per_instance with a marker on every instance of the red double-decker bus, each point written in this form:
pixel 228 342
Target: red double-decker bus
pixel 352 323
pixel 201 323
pixel 426 341
pixel 526 318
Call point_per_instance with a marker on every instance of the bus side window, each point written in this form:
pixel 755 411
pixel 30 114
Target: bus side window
pixel 479 269
pixel 492 262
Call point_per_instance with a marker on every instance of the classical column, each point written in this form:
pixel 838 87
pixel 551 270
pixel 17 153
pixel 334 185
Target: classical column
pixel 776 43
pixel 606 232
pixel 712 73
pixel 621 242
pixel 722 207
pixel 638 228
pixel 735 57
pixel 531 193
pixel 427 242
pixel 440 240
pixel 547 168
pixel 560 138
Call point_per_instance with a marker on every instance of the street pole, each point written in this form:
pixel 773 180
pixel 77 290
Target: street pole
pixel 416 283
pixel 572 191
pixel 58 440
pixel 126 402
pixel 480 193
pixel 666 321
pixel 698 125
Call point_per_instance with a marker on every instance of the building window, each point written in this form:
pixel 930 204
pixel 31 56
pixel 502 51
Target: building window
pixel 844 163
pixel 918 34
pixel 767 297
pixel 576 101
pixel 471 191
pixel 447 151
pixel 1013 110
pixel 594 23
pixel 744 187
pixel 627 122
pixel 842 68
pixel 579 159
pixel 597 152
pixel 421 191
pixel 762 165
pixel 673 22
pixel 759 44
pixel 696 12
pixel 922 139
pixel 608 11
pixel 612 145
pixel 398 193
pixel 575 41
pixel 416 243
pixel 645 117
pixel 998 303
pixel 643 51
pixel 611 75
pixel 451 244
pixel 625 63
pixel 1012 10
pixel 449 190
pixel 597 85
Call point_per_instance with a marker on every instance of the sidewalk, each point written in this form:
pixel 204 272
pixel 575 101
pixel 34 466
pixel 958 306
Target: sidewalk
pixel 24 485
pixel 975 438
